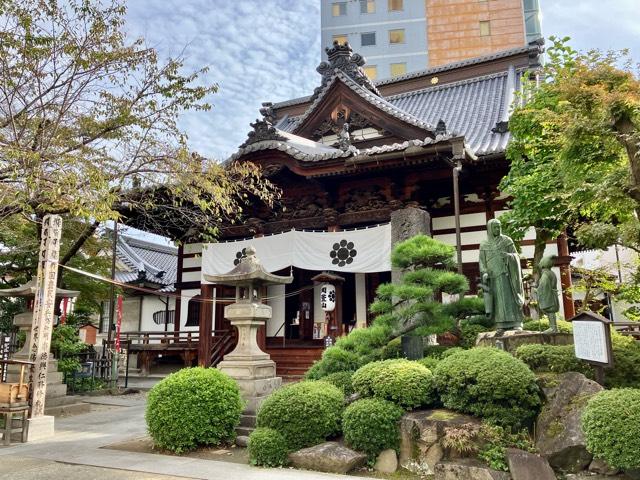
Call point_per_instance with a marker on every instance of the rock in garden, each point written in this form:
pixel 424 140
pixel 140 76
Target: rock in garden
pixel 559 435
pixel 527 466
pixel 242 440
pixel 600 466
pixel 328 457
pixel 467 469
pixel 420 430
pixel 387 461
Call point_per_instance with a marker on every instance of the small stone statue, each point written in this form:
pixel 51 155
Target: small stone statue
pixel 344 138
pixel 547 291
pixel 501 279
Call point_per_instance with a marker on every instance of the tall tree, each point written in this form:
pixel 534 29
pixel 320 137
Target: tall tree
pixel 88 124
pixel 574 156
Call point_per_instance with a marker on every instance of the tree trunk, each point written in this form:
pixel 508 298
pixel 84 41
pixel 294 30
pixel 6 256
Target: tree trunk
pixel 75 248
pixel 540 245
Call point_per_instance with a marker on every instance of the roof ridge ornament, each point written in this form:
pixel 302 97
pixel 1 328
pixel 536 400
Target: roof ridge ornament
pixel 341 57
pixel 263 130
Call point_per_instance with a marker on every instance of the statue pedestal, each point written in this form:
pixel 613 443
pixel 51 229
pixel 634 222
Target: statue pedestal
pixel 512 339
pixel 248 365
pixel 40 427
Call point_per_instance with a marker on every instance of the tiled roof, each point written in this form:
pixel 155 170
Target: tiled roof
pixel 147 261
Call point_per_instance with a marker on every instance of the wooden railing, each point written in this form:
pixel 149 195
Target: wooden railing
pixel 631 329
pixel 180 338
pixel 221 344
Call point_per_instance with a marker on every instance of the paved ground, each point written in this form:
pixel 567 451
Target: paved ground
pixel 78 446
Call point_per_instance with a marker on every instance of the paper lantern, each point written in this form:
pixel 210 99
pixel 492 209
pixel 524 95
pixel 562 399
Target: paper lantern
pixel 328 297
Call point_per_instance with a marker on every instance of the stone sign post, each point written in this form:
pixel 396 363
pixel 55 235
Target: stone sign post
pixel 41 425
pixel 253 369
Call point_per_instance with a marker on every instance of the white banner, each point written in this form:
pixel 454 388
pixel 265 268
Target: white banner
pixel 357 251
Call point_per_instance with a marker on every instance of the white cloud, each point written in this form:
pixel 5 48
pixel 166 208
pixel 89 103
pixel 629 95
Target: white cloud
pixel 257 51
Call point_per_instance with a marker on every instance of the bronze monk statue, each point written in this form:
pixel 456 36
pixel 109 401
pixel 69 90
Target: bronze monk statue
pixel 501 279
pixel 547 292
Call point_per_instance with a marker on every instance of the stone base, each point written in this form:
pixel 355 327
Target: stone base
pixel 512 339
pixel 248 369
pixel 40 427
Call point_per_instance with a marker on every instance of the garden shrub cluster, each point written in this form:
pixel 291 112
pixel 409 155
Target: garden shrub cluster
pixel 543 324
pixel 611 424
pixel 193 407
pixel 488 383
pixel 626 363
pixel 342 380
pixel 267 448
pixel 406 383
pixel 469 333
pixel 553 358
pixel 371 425
pixel 304 413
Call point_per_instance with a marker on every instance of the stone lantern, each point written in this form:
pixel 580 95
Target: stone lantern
pixel 24 321
pixel 252 368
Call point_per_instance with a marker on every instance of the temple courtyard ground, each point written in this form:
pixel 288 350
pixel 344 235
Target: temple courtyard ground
pixel 81 449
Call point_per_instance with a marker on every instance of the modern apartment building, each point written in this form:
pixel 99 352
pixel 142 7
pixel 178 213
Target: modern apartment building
pixel 401 36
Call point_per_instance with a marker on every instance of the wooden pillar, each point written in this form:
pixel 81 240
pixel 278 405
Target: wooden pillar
pixel 206 325
pixel 178 304
pixel 564 262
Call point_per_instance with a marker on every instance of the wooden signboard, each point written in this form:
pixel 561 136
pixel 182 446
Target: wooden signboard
pixel 592 341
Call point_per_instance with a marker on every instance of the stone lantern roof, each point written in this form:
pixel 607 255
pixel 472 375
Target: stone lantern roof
pixel 29 290
pixel 248 272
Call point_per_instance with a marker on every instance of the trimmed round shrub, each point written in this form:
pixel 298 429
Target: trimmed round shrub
pixel 488 383
pixel 553 358
pixel 342 380
pixel 267 448
pixel 371 425
pixel 304 413
pixel 611 424
pixel 334 359
pixel 542 325
pixel 192 407
pixel 404 382
pixel 429 362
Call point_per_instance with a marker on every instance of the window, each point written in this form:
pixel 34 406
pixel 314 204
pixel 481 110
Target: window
pixel 339 9
pixel 485 28
pixel 193 312
pixel 396 36
pixel 367 39
pixel 341 39
pixel 371 71
pixel 398 69
pixel 395 5
pixel 367 6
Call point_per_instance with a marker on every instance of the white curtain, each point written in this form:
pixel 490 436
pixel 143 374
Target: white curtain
pixel 358 251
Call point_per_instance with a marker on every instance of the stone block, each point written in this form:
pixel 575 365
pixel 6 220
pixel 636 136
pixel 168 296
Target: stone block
pixel 40 428
pixel 259 387
pixel 467 469
pixel 527 466
pixel 330 457
pixel 248 369
pixel 512 339
pixel 602 467
pixel 387 461
pixel 559 435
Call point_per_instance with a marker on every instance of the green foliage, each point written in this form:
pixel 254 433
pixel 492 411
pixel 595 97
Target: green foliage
pixel 439 351
pixel 406 383
pixel 304 413
pixel 342 380
pixel 611 424
pixel 371 425
pixel 429 362
pixel 193 407
pixel 469 333
pixel 488 383
pixel 66 342
pixel 542 325
pixel 497 440
pixel 68 366
pixel 626 363
pixel 267 448
pixel 393 349
pixel 334 359
pixel 9 308
pixel 553 358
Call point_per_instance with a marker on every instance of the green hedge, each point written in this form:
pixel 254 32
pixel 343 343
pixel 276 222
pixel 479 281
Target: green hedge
pixel 488 383
pixel 611 424
pixel 371 425
pixel 267 448
pixel 304 413
pixel 342 380
pixel 469 333
pixel 542 325
pixel 404 382
pixel 334 359
pixel 429 362
pixel 626 363
pixel 553 358
pixel 192 407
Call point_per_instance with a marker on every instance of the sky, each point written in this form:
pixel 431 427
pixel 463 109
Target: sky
pixel 267 50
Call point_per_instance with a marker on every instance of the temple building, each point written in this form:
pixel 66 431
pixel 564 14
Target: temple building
pixel 347 158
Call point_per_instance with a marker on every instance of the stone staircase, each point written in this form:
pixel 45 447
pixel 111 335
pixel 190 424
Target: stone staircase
pixel 247 425
pixel 292 362
pixel 57 402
